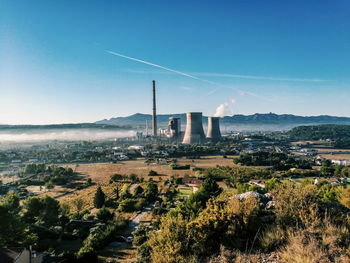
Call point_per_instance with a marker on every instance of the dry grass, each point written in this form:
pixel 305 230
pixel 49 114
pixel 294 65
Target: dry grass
pixel 100 173
pixel 303 249
pixel 332 150
pixel 336 156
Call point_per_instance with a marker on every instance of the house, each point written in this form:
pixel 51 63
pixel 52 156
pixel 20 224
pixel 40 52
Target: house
pixel 258 183
pixel 341 162
pixel 193 182
pixel 136 147
pixel 335 181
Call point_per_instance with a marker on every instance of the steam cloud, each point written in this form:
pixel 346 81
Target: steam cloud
pixel 64 135
pixel 224 109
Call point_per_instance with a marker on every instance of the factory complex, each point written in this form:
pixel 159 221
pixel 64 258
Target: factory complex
pixel 194 132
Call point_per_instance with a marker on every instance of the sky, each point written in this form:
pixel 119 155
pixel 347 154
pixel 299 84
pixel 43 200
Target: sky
pixel 82 61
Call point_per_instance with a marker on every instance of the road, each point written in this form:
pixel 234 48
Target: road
pixel 137 219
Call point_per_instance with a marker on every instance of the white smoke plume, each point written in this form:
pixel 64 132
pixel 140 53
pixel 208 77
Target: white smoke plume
pixel 224 109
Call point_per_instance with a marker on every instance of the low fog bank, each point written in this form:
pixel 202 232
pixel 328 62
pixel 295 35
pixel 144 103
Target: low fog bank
pixel 63 135
pixel 227 128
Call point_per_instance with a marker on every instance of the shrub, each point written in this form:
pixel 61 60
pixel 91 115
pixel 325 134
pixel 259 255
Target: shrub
pixel 169 244
pixel 140 203
pixel 180 167
pixel 344 197
pixel 296 204
pixel 104 214
pixel 127 205
pixel 99 236
pixel 116 178
pixel 152 173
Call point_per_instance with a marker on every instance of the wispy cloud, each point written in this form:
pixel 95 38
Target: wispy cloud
pixel 206 74
pixel 218 85
pixel 186 88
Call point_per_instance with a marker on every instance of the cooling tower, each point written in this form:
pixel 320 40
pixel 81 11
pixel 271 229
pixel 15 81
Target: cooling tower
pixel 194 129
pixel 213 132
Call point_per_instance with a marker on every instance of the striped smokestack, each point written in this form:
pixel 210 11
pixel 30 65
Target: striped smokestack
pixel 154 116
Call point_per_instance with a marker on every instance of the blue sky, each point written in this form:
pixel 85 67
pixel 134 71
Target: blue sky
pixel 269 56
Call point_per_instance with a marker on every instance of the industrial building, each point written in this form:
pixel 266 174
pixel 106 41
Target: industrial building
pixel 194 132
pixel 174 128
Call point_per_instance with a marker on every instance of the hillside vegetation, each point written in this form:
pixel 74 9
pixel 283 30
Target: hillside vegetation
pixel 339 134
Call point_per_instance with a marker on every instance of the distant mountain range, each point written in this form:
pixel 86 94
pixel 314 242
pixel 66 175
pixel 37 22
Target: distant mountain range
pixel 139 119
pixel 255 122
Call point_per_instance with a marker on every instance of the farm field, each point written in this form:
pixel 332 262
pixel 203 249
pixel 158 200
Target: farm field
pixel 100 174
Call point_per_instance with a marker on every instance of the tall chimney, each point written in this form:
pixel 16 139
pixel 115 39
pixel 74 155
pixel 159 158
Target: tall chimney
pixel 154 116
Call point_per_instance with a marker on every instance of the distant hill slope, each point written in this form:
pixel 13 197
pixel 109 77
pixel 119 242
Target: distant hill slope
pixel 320 132
pixel 255 119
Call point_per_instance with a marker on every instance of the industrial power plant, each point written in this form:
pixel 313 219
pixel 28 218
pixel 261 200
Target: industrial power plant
pixel 194 132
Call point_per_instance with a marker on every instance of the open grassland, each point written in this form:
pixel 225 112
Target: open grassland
pixel 336 156
pixel 100 174
pixel 333 150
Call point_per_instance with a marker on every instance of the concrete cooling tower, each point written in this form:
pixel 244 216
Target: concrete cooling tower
pixel 194 129
pixel 213 132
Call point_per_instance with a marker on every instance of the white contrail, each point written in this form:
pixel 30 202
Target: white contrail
pixel 154 65
pixel 184 74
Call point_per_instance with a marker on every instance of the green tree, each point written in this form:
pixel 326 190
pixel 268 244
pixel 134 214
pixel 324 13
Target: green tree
pixel 99 198
pixel 43 210
pixel 13 231
pixel 127 205
pixel 327 168
pixel 151 191
pixel 140 235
